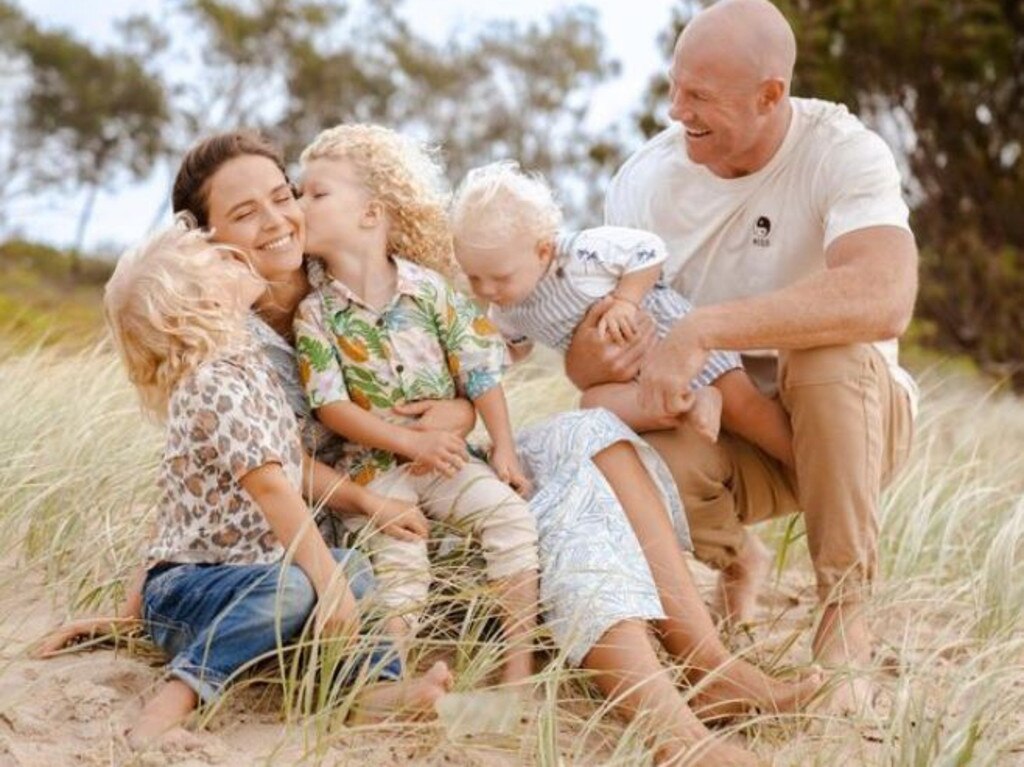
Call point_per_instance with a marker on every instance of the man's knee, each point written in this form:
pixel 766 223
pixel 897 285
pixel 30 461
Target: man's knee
pixel 824 365
pixel 697 465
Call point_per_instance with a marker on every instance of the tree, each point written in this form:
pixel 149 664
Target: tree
pixel 506 90
pixel 93 118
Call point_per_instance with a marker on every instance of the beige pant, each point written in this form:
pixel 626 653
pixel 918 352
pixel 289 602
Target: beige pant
pixel 474 498
pixel 851 432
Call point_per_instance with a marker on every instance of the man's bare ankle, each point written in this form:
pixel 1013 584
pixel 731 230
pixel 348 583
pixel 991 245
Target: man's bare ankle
pixel 843 637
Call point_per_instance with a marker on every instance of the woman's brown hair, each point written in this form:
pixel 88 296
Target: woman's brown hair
pixel 204 159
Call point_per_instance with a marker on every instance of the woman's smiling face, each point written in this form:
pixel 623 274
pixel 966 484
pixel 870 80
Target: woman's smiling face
pixel 251 206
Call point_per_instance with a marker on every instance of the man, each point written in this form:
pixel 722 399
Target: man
pixel 786 227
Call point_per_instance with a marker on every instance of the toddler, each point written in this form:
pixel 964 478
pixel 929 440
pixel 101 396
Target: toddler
pixel 384 328
pixel 236 565
pixel 541 282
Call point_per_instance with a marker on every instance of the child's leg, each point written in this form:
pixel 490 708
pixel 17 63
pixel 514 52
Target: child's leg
pixel 401 568
pixel 214 619
pixel 623 400
pixel 505 526
pixel 688 632
pixel 706 413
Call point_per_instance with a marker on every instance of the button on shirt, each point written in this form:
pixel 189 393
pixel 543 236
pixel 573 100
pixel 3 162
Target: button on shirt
pixel 429 342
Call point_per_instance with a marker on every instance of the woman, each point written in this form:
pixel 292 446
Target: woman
pixel 601 588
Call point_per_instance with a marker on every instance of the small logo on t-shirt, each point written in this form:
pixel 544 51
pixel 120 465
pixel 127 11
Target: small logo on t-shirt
pixel 762 231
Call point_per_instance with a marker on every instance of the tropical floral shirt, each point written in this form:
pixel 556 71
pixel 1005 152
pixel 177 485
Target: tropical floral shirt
pixel 429 342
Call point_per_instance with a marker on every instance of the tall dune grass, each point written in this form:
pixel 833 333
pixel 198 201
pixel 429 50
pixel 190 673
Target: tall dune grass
pixel 76 490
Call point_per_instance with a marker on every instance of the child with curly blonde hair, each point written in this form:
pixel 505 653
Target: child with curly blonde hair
pixel 542 281
pixel 385 327
pixel 236 566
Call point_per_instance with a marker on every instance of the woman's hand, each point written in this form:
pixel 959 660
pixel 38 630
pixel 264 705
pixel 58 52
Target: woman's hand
pixel 399 519
pixel 454 415
pixel 592 360
pixel 506 465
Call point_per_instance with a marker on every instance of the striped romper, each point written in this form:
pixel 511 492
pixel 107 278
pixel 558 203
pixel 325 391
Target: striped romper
pixel 587 266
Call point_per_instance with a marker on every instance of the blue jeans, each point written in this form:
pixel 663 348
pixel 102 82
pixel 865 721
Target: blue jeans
pixel 212 619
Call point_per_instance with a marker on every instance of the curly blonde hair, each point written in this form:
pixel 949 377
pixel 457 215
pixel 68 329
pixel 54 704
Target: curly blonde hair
pixel 407 178
pixel 167 312
pixel 498 202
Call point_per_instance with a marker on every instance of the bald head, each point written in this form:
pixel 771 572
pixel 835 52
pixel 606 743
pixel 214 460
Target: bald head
pixel 751 37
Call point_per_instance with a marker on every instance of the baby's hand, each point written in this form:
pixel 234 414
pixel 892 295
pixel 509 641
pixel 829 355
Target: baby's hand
pixel 706 413
pixel 619 321
pixel 506 465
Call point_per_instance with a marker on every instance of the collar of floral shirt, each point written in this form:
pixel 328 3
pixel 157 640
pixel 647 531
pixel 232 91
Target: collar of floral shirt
pixel 409 282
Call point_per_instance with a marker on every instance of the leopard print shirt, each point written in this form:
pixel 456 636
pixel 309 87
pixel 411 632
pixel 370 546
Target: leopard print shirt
pixel 227 418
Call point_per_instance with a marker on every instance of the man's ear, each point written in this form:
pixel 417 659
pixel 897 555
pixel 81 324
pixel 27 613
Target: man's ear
pixel 770 93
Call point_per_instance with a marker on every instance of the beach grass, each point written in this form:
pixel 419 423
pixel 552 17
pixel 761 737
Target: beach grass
pixel 77 464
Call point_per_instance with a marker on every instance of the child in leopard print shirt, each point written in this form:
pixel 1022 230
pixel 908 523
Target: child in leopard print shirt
pixel 236 567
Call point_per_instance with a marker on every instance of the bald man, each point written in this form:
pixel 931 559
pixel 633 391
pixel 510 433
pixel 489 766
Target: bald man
pixel 786 227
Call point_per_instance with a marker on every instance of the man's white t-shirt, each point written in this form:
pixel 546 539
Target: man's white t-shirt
pixel 732 238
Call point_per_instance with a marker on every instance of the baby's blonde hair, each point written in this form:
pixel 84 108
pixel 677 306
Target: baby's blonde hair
pixel 499 201
pixel 407 178
pixel 166 309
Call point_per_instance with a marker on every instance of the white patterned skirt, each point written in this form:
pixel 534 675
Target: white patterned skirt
pixel 593 571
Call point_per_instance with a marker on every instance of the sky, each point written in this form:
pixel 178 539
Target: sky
pixel 119 218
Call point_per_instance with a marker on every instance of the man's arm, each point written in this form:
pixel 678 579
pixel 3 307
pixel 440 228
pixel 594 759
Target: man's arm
pixel 866 293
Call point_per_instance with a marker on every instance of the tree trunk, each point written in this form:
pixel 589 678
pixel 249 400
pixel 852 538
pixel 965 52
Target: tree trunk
pixel 83 222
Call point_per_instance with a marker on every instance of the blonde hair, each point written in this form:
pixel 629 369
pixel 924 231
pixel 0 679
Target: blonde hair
pixel 499 201
pixel 407 178
pixel 166 310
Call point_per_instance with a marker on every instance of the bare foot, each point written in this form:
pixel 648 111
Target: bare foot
pixel 711 753
pixel 408 699
pixel 706 413
pixel 739 583
pixel 843 643
pixel 161 718
pixel 740 688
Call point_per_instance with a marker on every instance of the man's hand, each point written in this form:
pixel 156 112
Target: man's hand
pixel 454 415
pixel 506 465
pixel 591 360
pixel 669 368
pixel 399 519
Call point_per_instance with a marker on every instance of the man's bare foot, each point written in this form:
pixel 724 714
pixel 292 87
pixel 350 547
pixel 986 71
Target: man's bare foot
pixel 740 582
pixel 706 414
pixel 843 642
pixel 161 718
pixel 408 699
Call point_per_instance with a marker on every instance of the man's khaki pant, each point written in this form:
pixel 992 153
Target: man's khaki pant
pixel 851 433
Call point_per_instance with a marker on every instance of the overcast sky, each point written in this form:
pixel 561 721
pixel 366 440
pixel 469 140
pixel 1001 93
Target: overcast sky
pixel 630 29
